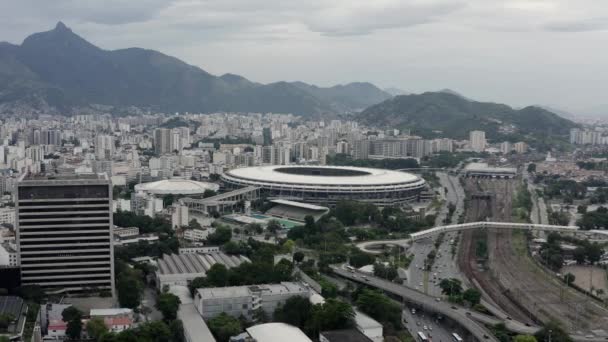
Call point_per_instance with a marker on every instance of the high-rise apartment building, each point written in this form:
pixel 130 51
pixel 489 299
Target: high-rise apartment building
pixel 64 235
pixel 162 140
pixel 104 147
pixel 477 140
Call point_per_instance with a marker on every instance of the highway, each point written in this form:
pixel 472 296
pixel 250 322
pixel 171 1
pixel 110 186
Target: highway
pixel 428 303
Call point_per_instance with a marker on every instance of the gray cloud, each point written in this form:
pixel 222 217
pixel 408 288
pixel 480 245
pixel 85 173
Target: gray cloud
pixel 502 50
pixel 584 25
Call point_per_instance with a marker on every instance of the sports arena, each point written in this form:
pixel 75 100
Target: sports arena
pixel 328 185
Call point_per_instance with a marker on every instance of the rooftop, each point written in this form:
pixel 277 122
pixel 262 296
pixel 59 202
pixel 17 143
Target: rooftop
pixel 176 186
pixel 56 179
pixel 196 263
pixel 345 335
pixel 484 167
pixel 323 175
pixel 195 328
pixel 247 290
pixel 277 332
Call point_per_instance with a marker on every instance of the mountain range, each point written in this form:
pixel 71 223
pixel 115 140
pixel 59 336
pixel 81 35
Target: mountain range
pixel 455 115
pixel 59 70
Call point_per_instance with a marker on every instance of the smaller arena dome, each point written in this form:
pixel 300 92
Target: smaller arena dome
pixel 176 186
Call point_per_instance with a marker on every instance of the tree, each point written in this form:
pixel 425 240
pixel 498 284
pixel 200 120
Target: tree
pixel 451 286
pixel 217 275
pixel 209 193
pixel 569 278
pixel 359 259
pixel 379 307
pixel 298 257
pixel 5 321
pixel 387 272
pixel 579 254
pixel 296 311
pixel 531 168
pixel 73 317
pixel 581 209
pixel 524 338
pixel 197 283
pixel 129 289
pixel 220 236
pixel 224 326
pixel 288 246
pixel 473 296
pixel 309 222
pixel 273 226
pixel 553 329
pixel 156 331
pixel 177 331
pixel 193 224
pixel 334 314
pixel 96 327
pixel 33 293
pixel 594 252
pixel 168 304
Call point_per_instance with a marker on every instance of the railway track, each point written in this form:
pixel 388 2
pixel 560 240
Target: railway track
pixel 514 281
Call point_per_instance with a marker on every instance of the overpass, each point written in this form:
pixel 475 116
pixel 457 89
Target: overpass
pixel 472 321
pixel 428 303
pixel 593 235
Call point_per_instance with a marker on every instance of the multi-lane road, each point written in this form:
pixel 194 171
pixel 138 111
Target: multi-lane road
pixel 443 267
pixel 464 317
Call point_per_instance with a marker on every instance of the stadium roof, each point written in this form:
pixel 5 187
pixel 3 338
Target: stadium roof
pixel 277 332
pixel 299 204
pixel 176 186
pixel 358 176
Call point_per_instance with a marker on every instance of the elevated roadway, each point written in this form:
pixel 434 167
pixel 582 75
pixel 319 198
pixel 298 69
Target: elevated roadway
pixel 466 318
pixel 472 321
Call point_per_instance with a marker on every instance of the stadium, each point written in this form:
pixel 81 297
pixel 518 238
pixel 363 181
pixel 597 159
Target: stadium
pixel 327 185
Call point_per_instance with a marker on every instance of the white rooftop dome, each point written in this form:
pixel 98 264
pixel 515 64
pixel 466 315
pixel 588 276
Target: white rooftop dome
pixel 277 332
pixel 176 186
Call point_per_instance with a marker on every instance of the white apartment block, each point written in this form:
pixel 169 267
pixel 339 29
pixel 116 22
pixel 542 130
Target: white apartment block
pixel 196 234
pixel 8 255
pixel 245 300
pixel 7 215
pixel 477 140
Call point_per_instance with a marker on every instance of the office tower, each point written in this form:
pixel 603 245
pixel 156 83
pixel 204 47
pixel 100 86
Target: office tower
pixel 162 140
pixel 64 235
pixel 477 140
pixel 104 147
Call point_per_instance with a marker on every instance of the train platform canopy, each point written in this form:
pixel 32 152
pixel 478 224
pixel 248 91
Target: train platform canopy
pixel 483 169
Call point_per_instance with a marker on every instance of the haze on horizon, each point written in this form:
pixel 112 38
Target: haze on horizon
pixel 518 52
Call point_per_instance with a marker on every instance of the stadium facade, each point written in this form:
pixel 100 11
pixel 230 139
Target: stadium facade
pixel 327 185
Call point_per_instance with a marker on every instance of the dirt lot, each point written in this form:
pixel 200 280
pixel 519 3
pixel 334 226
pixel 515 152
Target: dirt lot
pixel 585 275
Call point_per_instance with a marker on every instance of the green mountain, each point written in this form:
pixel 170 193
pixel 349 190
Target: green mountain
pixel 60 70
pixel 455 115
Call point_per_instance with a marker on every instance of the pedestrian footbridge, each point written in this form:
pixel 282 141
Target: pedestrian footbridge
pixel 593 235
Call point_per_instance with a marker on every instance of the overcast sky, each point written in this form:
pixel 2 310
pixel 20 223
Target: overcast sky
pixel 520 52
